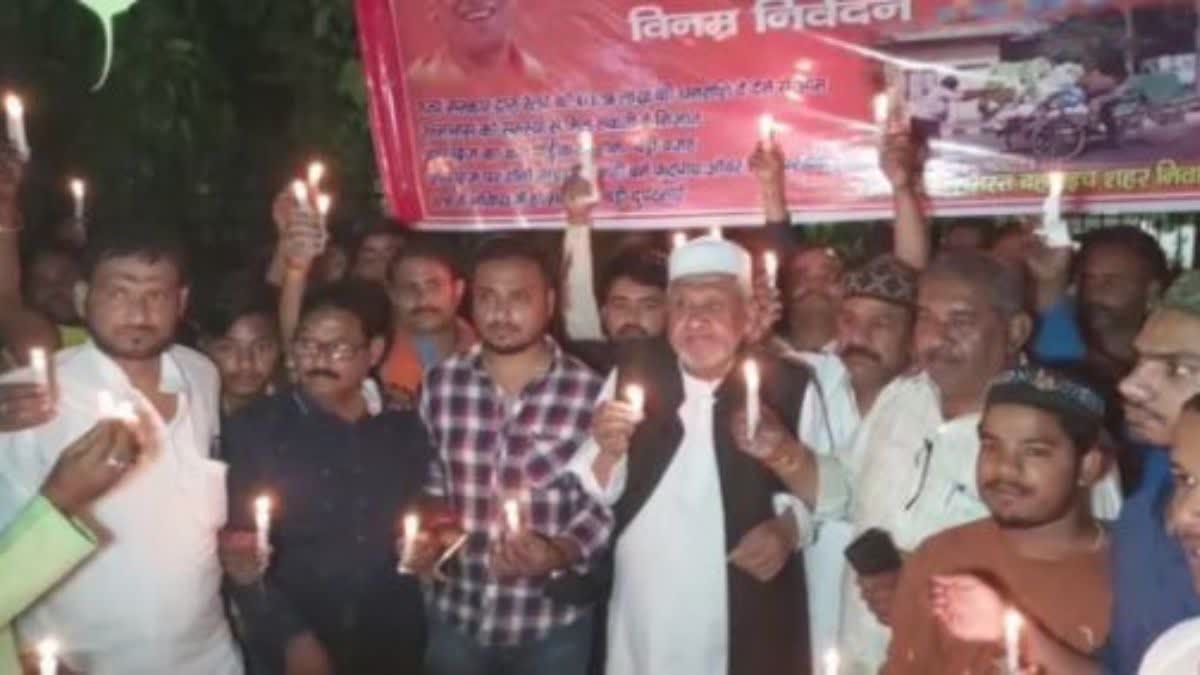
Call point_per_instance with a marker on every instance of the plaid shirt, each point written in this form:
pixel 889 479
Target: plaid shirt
pixel 490 449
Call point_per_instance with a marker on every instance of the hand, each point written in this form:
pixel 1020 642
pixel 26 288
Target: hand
pixel 767 163
pixel 764 551
pixel 770 310
pixel 241 558
pixel 613 426
pixel 772 442
pixel 1047 265
pixel 879 592
pixel 579 198
pixel 24 405
pixel 423 554
pixel 528 554
pixel 901 159
pixel 91 465
pixel 968 608
pixel 305 655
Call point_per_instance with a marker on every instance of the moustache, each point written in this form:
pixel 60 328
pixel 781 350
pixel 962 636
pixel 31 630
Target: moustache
pixel 939 354
pixel 632 331
pixel 1007 486
pixel 426 310
pixel 861 352
pixel 320 372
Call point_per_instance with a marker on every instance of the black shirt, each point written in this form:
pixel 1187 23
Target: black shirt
pixel 338 490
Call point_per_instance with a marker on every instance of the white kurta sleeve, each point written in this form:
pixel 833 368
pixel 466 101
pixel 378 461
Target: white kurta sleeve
pixel 581 314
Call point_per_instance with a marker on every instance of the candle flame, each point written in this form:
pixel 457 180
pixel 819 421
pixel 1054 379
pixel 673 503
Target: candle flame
pixel 324 203
pixel 586 141
pixel 37 360
pixel 48 649
pixel 678 239
pixel 13 105
pixel 715 232
pixel 78 188
pixel 316 172
pixel 771 266
pixel 636 397
pixel 766 128
pixel 833 662
pixel 1057 182
pixel 300 191
pixel 750 370
pixel 512 515
pixel 881 108
pixel 262 510
pixel 412 526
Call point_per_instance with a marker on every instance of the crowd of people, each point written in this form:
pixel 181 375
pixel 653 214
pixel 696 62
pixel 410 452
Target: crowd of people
pixel 405 459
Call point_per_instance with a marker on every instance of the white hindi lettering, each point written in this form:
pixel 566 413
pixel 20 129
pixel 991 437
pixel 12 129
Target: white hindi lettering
pixel 651 22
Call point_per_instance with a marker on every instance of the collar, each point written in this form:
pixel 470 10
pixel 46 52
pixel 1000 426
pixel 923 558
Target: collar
pixel 105 369
pixel 372 398
pixel 474 358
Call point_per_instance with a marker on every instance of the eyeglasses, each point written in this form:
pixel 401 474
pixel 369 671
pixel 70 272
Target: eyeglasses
pixel 335 351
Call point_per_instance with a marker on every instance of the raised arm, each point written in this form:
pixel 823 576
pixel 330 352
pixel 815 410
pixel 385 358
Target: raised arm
pixel 581 311
pixel 902 162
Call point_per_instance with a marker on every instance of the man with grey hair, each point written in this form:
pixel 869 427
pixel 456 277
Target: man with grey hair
pixel 911 469
pixel 704 532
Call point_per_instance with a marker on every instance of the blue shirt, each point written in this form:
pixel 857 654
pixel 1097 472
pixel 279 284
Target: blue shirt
pixel 1058 337
pixel 1152 584
pixel 339 488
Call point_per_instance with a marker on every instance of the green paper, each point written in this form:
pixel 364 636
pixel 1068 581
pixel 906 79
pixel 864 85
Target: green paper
pixel 106 11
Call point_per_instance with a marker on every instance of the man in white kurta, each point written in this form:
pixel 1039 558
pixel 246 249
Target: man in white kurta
pixel 147 602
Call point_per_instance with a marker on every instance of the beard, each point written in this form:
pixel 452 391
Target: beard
pixel 141 349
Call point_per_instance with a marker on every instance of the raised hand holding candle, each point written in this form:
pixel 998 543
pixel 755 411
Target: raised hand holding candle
pixel 1054 228
pixel 47 653
pixel 262 522
pixel 1012 641
pixel 771 267
pixel 78 196
pixel 316 173
pixel 412 529
pixel 753 407
pixel 15 116
pixel 833 662
pixel 766 130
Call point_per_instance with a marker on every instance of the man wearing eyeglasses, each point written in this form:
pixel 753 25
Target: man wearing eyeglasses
pixel 325 597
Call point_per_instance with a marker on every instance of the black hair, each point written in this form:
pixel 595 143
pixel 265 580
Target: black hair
pixel 646 267
pixel 233 302
pixel 950 82
pixel 1134 241
pixel 149 242
pixel 427 247
pixel 507 247
pixel 367 301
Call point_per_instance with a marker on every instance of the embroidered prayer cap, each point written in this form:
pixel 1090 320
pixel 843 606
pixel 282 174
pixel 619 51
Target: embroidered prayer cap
pixel 1184 294
pixel 884 278
pixel 1077 405
pixel 710 255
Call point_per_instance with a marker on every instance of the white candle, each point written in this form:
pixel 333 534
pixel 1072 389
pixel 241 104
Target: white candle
pixel 300 192
pixel 833 662
pixel 412 529
pixel 40 365
pixel 587 163
pixel 262 522
pixel 1012 641
pixel 771 267
pixel 678 239
pixel 324 204
pixel 15 110
pixel 512 515
pixel 316 172
pixel 78 195
pixel 753 410
pixel 715 232
pixel 635 396
pixel 766 129
pixel 1054 229
pixel 881 108
pixel 47 652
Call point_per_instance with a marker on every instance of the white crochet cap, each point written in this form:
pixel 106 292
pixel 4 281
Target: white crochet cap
pixel 710 255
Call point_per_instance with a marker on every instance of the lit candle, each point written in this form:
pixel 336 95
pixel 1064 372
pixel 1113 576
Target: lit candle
pixel 47 651
pixel 262 522
pixel 771 267
pixel 1012 641
pixel 412 529
pixel 766 129
pixel 753 411
pixel 833 662
pixel 587 163
pixel 324 204
pixel 78 195
pixel 15 110
pixel 300 192
pixel 1054 228
pixel 40 365
pixel 316 172
pixel 678 239
pixel 881 108
pixel 715 232
pixel 512 515
pixel 635 396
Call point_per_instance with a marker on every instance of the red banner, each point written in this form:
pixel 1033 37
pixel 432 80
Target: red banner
pixel 478 106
